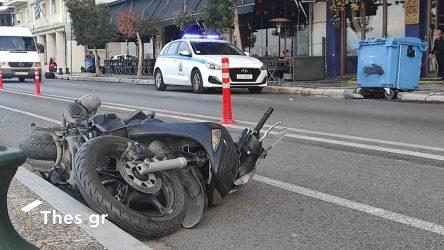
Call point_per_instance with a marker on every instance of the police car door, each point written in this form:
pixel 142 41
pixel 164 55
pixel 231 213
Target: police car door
pixel 184 64
pixel 169 62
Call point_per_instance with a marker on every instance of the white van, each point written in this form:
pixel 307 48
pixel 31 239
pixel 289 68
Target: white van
pixel 18 53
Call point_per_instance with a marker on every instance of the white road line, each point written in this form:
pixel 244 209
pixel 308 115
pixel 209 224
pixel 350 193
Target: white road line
pixel 379 212
pixel 30 114
pixel 295 136
pixel 183 115
pixel 107 234
pixel 428 226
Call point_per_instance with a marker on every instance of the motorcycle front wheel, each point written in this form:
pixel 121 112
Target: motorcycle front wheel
pixel 103 188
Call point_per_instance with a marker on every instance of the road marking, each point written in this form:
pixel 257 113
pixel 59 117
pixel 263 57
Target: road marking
pixel 295 136
pixel 107 234
pixel 31 206
pixel 217 119
pixel 30 114
pixel 392 216
pixel 379 212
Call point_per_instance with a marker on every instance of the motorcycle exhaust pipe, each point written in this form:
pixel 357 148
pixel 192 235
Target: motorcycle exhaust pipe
pixel 149 167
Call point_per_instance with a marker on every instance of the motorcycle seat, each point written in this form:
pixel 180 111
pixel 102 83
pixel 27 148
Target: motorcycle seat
pixel 138 116
pixel 107 122
pixel 110 122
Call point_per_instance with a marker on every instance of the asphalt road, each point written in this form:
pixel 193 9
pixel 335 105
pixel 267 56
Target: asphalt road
pixel 350 173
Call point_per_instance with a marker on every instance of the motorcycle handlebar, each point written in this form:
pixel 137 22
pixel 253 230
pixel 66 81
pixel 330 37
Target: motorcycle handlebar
pixel 264 119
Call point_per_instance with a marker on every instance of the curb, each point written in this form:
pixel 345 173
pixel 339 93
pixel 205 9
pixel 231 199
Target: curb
pixel 427 97
pixel 108 235
pixel 107 79
pixel 330 92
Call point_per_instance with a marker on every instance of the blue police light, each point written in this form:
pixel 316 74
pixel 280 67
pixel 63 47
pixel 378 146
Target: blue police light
pixel 194 36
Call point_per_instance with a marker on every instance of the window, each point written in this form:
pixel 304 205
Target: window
pixel 17 43
pixel 172 49
pixel 44 10
pixel 215 48
pixel 184 47
pixel 53 7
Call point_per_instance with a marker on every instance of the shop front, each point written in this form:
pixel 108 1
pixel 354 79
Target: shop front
pixel 353 20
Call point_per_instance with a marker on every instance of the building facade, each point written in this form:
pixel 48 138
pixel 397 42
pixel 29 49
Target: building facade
pixel 378 19
pixel 50 24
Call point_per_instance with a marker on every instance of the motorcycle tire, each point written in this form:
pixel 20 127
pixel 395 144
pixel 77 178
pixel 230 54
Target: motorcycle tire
pixel 39 145
pixel 102 201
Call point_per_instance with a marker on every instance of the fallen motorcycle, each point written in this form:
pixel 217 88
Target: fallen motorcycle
pixel 148 175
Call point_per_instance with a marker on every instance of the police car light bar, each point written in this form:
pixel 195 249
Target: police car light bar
pixel 193 36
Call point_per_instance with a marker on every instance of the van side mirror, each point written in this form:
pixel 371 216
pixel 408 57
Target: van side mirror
pixel 185 53
pixel 40 48
pixel 247 53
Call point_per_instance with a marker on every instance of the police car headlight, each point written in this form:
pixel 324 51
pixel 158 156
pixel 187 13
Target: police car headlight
pixel 213 66
pixel 3 63
pixel 263 67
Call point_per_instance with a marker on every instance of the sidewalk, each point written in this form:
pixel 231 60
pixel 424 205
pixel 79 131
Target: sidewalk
pixel 57 236
pixel 75 231
pixel 429 91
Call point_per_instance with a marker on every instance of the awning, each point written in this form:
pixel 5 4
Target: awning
pixel 164 9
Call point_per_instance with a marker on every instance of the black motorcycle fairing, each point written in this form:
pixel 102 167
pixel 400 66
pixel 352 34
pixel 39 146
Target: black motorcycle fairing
pixel 251 149
pixel 110 122
pixel 199 132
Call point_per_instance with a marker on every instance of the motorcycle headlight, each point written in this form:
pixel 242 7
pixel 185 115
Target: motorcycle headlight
pixel 215 138
pixel 212 66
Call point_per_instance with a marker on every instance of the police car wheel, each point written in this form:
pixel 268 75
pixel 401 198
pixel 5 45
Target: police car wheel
pixel 158 81
pixel 197 82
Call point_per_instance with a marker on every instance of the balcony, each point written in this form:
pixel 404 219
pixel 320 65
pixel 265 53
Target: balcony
pixel 16 3
pixel 52 21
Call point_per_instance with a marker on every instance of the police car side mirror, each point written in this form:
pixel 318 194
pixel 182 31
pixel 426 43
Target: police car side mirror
pixel 185 53
pixel 247 53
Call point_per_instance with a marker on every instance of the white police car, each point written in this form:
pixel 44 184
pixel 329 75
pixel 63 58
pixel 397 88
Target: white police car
pixel 196 61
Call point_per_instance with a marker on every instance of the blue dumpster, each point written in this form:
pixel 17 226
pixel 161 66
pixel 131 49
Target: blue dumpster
pixel 393 64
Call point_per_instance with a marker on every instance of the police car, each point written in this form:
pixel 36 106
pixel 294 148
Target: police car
pixel 196 61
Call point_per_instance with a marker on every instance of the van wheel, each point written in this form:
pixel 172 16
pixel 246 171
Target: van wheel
pixel 158 81
pixel 21 79
pixel 197 82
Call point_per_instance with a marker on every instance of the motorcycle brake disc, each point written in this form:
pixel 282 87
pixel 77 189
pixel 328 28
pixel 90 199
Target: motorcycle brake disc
pixel 144 183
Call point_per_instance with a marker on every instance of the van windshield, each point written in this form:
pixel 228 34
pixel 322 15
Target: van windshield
pixel 17 43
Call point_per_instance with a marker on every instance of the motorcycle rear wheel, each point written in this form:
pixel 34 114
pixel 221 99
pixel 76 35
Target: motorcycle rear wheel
pixel 39 145
pixel 102 200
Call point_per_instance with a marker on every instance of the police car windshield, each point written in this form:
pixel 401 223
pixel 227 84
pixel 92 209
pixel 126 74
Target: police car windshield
pixel 215 48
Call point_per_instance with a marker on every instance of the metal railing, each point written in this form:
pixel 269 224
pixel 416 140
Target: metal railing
pixel 128 67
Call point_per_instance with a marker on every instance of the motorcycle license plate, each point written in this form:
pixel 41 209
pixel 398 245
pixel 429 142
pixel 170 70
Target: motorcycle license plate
pixel 21 73
pixel 244 76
